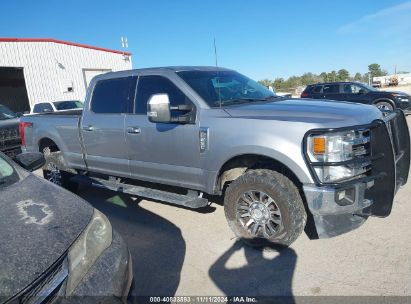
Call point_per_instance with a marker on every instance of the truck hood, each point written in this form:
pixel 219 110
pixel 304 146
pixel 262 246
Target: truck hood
pixel 323 113
pixel 38 223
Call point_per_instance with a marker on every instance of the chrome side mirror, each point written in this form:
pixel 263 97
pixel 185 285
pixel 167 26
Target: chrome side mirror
pixel 158 108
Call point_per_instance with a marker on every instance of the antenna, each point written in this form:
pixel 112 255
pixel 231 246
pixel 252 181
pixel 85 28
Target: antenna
pixel 215 54
pixel 218 76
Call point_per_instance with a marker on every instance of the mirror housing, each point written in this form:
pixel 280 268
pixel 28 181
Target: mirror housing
pixel 160 111
pixel 19 114
pixel 362 92
pixel 31 161
pixel 158 108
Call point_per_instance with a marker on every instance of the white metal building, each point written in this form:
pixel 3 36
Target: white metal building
pixel 37 70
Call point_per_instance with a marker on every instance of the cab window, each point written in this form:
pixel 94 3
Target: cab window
pixel 114 96
pixel 150 85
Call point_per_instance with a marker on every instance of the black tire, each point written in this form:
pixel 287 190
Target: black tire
pixel 53 173
pixel 287 202
pixel 384 105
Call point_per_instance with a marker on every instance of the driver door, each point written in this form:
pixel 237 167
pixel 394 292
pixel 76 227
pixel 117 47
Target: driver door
pixel 165 153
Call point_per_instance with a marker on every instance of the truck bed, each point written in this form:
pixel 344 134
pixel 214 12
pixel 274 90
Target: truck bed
pixel 61 128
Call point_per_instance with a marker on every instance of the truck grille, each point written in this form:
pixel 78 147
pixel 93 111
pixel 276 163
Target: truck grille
pixel 390 141
pixel 46 288
pixel 9 138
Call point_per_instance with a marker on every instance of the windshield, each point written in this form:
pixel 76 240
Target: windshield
pixel 7 173
pixel 225 87
pixel 68 105
pixel 6 113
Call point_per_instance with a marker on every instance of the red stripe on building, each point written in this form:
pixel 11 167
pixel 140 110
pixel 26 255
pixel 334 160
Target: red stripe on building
pixel 62 42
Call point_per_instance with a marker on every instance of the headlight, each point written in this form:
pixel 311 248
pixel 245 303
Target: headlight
pixel 401 97
pixel 331 154
pixel 87 248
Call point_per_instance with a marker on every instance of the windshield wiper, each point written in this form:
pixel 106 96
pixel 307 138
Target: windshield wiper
pixel 241 100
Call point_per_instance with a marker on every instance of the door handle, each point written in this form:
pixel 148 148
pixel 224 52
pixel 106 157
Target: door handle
pixel 133 130
pixel 88 128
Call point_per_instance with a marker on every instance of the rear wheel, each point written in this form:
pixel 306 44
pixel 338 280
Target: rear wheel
pixel 264 207
pixel 53 173
pixel 384 106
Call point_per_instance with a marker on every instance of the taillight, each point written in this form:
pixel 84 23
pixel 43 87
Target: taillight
pixel 22 126
pixel 304 94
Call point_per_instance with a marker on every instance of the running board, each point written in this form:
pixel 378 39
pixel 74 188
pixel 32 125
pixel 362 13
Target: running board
pixel 189 201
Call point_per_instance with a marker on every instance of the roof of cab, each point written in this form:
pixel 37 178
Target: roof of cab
pixel 173 69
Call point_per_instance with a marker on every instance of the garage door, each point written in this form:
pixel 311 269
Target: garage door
pixel 13 92
pixel 89 74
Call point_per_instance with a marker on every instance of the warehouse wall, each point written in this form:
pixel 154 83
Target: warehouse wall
pixel 49 67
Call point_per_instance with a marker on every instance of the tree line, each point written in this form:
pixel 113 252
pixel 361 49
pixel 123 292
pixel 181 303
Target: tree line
pixel 293 82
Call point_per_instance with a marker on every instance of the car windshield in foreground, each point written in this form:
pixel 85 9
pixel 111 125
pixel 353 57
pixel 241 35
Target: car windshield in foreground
pixel 7 173
pixel 68 105
pixel 6 113
pixel 226 87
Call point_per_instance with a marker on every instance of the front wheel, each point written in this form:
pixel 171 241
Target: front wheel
pixel 264 207
pixel 384 106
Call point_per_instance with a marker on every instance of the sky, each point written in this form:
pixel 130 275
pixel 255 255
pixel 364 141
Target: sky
pixel 259 38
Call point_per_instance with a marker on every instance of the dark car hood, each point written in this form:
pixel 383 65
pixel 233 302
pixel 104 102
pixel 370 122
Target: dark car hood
pixel 313 111
pixel 38 223
pixel 387 93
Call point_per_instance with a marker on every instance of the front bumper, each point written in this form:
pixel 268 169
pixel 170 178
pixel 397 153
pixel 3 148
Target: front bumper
pixel 330 218
pixel 404 105
pixel 374 194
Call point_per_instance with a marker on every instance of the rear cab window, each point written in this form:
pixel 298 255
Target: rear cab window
pixel 114 95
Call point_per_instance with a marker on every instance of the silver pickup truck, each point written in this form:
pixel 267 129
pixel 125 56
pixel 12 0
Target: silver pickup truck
pixel 181 134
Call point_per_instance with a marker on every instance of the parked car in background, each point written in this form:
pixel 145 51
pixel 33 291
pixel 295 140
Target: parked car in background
pixel 10 140
pixel 281 94
pixel 359 93
pixel 54 244
pixel 376 84
pixel 64 105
